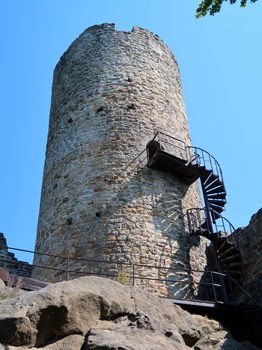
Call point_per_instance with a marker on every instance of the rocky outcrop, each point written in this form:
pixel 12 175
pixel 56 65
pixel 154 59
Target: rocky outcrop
pixel 99 314
pixel 250 245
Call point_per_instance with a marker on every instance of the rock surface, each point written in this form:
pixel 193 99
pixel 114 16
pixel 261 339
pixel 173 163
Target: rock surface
pixel 2 288
pixel 250 244
pixel 99 314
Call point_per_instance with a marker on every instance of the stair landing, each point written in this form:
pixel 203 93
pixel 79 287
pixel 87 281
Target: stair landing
pixel 167 162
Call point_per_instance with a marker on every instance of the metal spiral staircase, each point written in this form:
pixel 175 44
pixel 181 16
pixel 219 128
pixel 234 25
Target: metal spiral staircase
pixel 169 154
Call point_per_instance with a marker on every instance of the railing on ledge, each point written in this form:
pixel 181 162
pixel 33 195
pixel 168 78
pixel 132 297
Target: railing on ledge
pixel 206 287
pixel 169 144
pixel 193 155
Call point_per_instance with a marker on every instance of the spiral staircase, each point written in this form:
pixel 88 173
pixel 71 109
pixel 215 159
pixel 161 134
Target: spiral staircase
pixel 169 154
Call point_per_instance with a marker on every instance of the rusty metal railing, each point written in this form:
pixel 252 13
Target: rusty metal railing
pixel 207 287
pixel 170 144
pixel 200 157
pixel 197 218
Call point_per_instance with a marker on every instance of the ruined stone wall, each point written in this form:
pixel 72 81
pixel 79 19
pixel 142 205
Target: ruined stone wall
pixel 9 262
pixel 112 90
pixel 250 245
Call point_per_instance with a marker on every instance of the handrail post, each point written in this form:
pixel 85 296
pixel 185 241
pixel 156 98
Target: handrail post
pixel 215 224
pixel 211 163
pixel 189 222
pixel 159 138
pixel 67 269
pixel 186 150
pixel 213 285
pixel 218 172
pixel 147 155
pixel 199 220
pixel 224 226
pixel 203 157
pixel 224 289
pixel 198 158
pixel 190 155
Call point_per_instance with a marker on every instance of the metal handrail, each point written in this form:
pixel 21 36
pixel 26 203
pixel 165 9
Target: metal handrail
pixel 203 221
pixel 196 220
pixel 158 133
pixel 160 138
pixel 204 159
pixel 210 283
pixel 101 261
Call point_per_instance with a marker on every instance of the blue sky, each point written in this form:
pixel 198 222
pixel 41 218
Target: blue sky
pixel 220 61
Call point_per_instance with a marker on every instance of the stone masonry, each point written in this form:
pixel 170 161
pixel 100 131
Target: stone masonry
pixel 9 262
pixel 112 90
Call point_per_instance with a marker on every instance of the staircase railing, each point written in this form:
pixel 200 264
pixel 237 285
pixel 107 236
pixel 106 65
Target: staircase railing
pixel 200 157
pixel 207 287
pixel 205 221
pixel 197 218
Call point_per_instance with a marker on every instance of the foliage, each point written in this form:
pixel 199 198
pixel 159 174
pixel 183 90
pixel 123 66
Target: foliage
pixel 214 6
pixel 123 277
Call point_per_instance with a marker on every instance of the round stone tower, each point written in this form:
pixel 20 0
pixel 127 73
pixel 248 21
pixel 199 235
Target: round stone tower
pixel 112 91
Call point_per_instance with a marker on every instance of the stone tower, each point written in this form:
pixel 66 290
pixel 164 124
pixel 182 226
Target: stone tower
pixel 112 90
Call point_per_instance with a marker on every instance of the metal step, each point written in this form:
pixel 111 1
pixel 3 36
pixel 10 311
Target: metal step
pixel 236 268
pixel 218 202
pixel 231 259
pixel 230 252
pixel 216 208
pixel 234 275
pixel 225 247
pixel 210 179
pixel 216 195
pixel 205 174
pixel 212 185
pixel 220 242
pixel 215 215
pixel 218 189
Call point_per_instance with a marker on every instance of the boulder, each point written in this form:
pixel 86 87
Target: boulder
pixel 2 288
pixel 72 342
pixel 61 309
pixel 130 338
pixel 221 340
pixel 93 313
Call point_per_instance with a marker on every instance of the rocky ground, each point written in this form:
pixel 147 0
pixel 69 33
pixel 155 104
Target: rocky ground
pixel 99 314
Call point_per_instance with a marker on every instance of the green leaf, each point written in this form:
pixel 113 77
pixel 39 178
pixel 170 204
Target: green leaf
pixel 214 6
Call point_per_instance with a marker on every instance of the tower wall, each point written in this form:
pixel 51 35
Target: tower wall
pixel 112 90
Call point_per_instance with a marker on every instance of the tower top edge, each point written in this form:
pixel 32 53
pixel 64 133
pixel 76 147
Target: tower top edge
pixel 105 30
pixel 111 27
